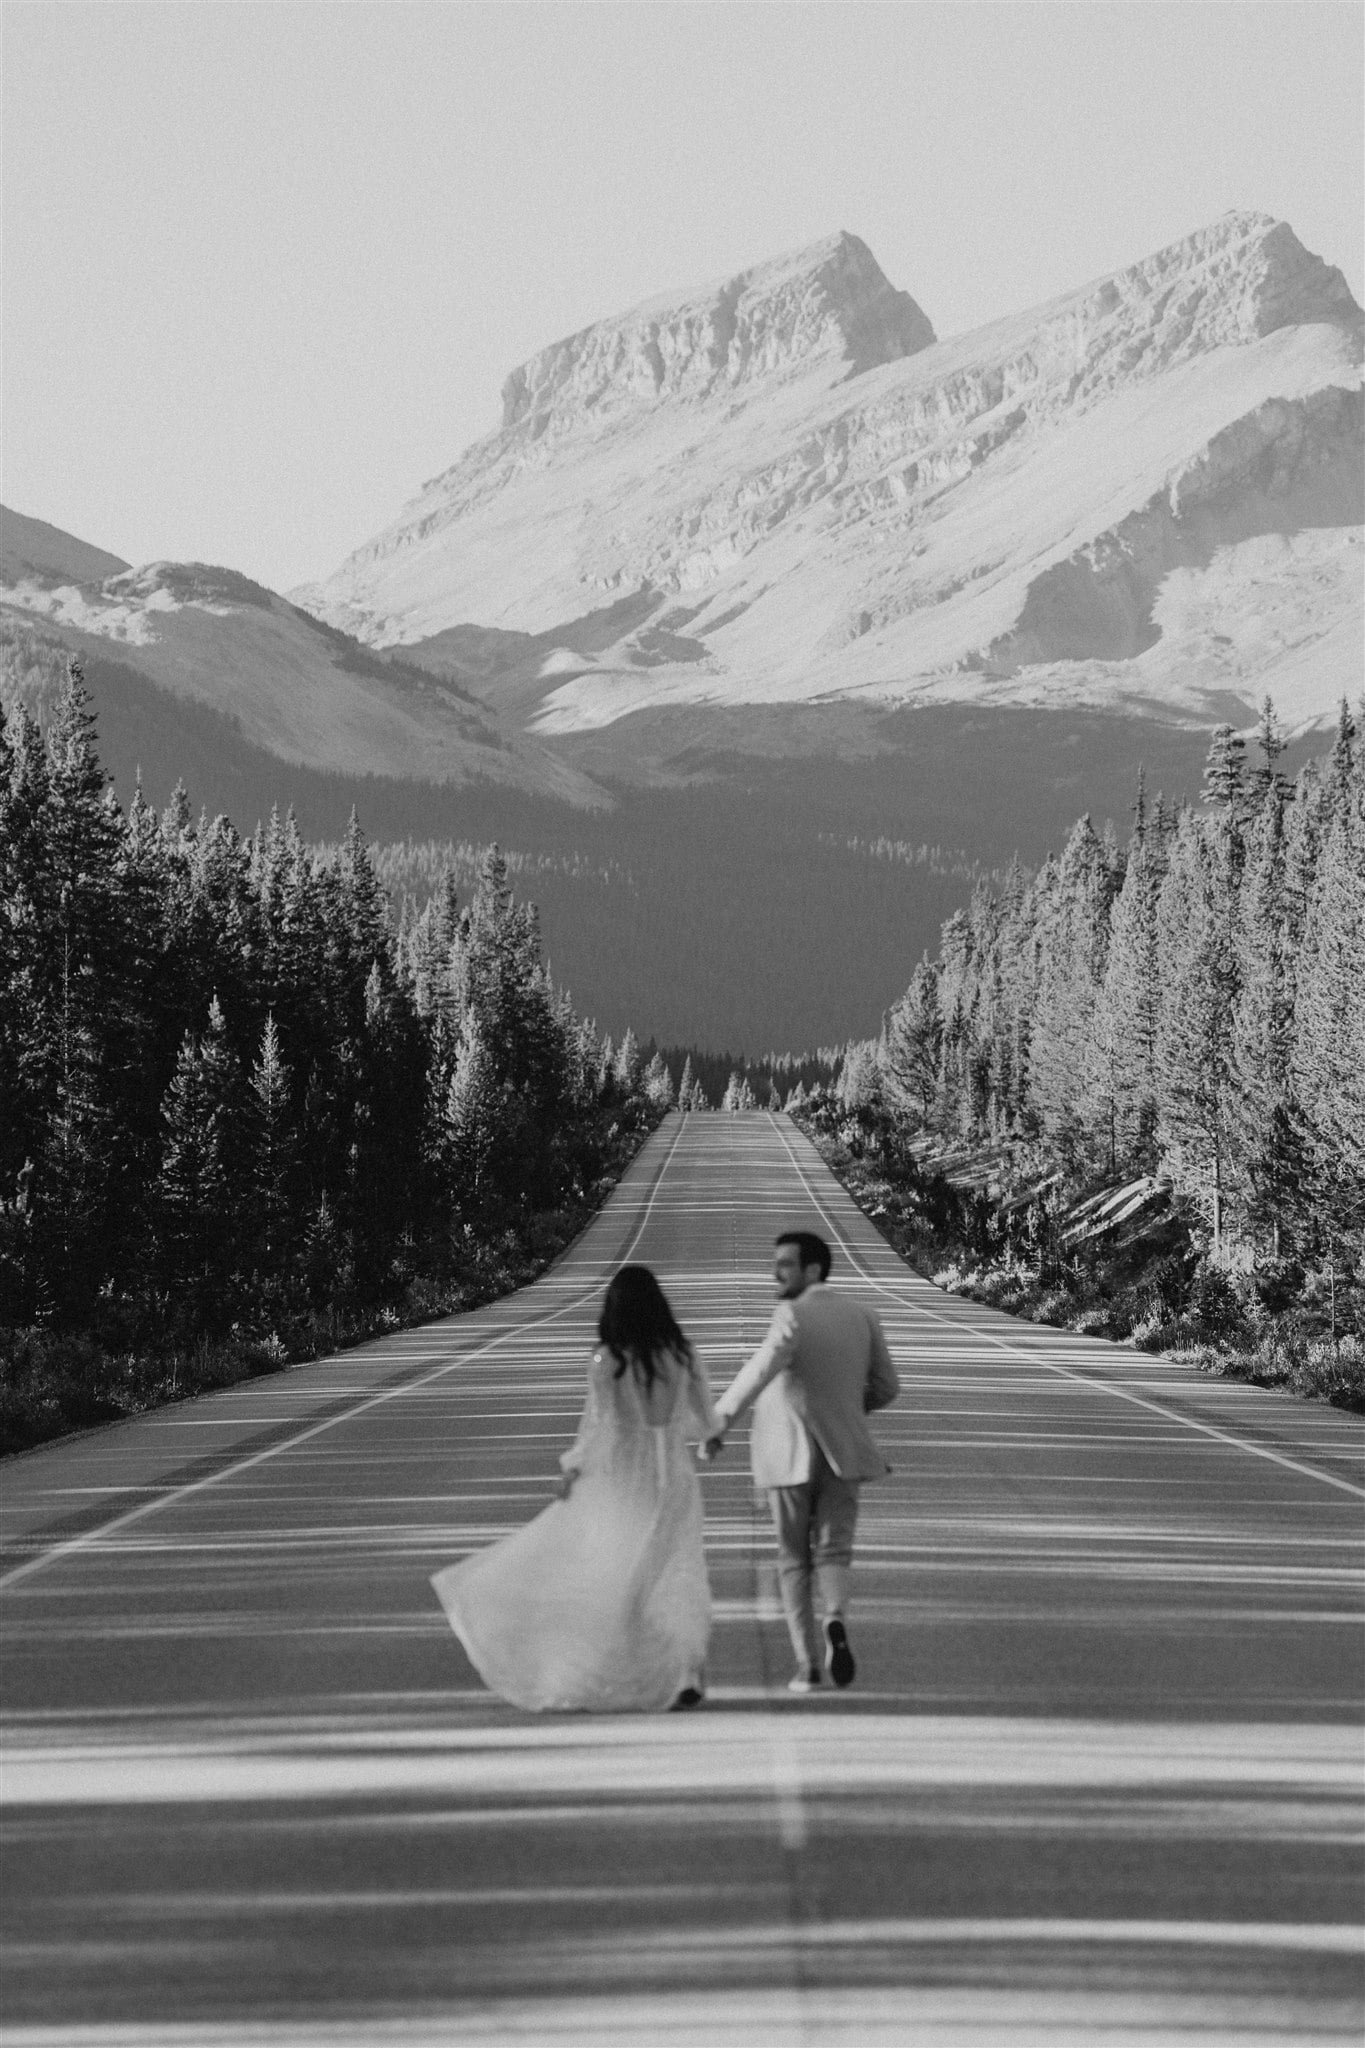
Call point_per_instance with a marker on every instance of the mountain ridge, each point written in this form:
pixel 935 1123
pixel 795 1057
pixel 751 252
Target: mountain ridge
pixel 211 638
pixel 828 299
pixel 896 531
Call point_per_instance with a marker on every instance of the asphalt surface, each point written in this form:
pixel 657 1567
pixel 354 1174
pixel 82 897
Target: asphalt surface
pixel 1100 1778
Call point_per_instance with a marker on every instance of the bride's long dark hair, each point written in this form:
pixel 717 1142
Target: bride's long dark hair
pixel 637 1325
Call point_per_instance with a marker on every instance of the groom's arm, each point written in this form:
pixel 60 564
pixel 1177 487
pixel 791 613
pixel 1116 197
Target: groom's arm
pixel 883 1381
pixel 773 1356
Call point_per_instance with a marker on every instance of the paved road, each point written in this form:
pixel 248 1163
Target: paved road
pixel 1099 1781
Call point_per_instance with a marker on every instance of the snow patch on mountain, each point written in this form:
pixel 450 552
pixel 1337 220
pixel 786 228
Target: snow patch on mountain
pixel 88 610
pixel 291 685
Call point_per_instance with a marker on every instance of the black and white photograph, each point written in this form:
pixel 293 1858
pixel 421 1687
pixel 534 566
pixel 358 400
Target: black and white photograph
pixel 682 1023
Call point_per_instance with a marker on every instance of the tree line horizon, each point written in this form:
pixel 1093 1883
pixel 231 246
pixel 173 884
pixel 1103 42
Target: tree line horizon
pixel 239 1087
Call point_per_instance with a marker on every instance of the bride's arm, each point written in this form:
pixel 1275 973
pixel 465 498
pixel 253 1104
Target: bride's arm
pixel 699 1394
pixel 571 1461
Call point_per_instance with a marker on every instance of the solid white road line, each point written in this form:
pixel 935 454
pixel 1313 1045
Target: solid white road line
pixel 1208 1429
pixel 90 1537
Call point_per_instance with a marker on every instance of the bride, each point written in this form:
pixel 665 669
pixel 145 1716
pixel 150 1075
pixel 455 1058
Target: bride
pixel 601 1602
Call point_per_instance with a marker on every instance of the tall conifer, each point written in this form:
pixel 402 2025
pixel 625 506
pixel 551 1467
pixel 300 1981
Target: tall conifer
pixel 196 1195
pixel 272 1151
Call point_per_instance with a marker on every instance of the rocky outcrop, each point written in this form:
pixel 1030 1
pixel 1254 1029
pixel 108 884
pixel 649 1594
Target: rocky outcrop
pixel 844 503
pixel 827 304
pixel 1283 468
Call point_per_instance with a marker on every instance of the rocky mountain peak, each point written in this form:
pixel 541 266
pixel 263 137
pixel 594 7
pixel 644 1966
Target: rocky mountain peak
pixel 705 496
pixel 827 303
pixel 1227 284
pixel 1292 285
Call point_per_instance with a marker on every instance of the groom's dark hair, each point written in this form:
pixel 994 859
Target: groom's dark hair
pixel 814 1251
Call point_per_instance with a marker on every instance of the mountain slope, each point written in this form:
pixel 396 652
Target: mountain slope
pixel 1143 496
pixel 33 551
pixel 290 684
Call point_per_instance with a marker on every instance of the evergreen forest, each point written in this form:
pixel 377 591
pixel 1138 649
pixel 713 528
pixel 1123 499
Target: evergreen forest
pixel 256 1099
pixel 246 1112
pixel 1129 1091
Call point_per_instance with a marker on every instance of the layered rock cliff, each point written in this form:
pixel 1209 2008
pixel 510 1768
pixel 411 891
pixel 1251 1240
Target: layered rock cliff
pixel 805 494
pixel 829 304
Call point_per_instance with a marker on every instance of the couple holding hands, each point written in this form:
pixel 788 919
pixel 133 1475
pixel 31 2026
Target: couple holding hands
pixel 602 1603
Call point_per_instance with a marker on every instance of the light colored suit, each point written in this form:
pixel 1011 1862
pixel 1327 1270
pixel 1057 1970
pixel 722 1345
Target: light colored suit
pixel 821 1368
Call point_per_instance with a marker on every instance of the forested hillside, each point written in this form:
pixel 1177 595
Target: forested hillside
pixel 1180 1018
pixel 242 1112
pixel 730 892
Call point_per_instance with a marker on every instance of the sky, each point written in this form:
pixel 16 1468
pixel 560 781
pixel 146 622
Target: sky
pixel 266 265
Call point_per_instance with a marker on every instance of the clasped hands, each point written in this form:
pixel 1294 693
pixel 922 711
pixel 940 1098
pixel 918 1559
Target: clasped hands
pixel 707 1451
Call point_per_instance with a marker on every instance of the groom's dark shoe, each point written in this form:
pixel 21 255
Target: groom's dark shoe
pixel 838 1656
pixel 690 1696
pixel 805 1681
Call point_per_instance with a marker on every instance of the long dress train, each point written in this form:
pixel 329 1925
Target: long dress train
pixel 601 1603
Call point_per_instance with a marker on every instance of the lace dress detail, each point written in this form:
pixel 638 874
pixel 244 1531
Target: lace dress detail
pixel 601 1603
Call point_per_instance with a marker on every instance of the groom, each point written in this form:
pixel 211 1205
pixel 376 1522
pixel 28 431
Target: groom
pixel 821 1368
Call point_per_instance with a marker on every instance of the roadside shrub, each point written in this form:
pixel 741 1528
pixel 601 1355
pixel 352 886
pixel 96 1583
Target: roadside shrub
pixel 1216 1314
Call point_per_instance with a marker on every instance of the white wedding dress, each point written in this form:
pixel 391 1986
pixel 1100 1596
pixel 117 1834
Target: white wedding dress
pixel 601 1603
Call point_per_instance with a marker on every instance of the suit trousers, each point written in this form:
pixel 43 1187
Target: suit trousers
pixel 815 1524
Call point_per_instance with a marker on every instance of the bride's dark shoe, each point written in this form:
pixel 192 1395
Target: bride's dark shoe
pixel 690 1696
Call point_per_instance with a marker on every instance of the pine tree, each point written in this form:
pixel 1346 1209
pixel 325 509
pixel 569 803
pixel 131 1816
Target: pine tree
pixel 860 1081
pixel 25 947
pixel 627 1068
pixel 80 1000
pixel 1128 1014
pixel 1224 771
pixel 196 1190
pixel 74 1166
pixel 658 1083
pixel 1265 1126
pixel 583 1054
pixel 1266 780
pixel 1328 1061
pixel 365 906
pixel 700 1099
pixel 914 1043
pixel 1340 779
pixel 177 820
pixel 475 1112
pixel 739 1096
pixel 687 1085
pixel 150 1018
pixel 1068 1086
pixel 324 1256
pixel 1194 1041
pixel 272 1151
pixel 505 987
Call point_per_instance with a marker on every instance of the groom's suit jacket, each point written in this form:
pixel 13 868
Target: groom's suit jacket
pixel 822 1366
